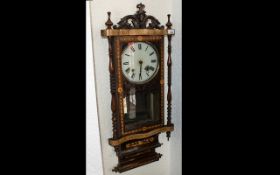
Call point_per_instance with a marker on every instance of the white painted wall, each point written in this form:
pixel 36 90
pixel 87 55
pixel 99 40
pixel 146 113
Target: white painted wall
pixel 170 163
pixel 93 147
pixel 176 136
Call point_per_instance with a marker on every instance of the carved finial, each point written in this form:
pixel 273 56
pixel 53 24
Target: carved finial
pixel 109 22
pixel 141 8
pixel 168 24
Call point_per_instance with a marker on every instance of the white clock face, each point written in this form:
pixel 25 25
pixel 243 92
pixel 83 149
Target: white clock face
pixel 140 62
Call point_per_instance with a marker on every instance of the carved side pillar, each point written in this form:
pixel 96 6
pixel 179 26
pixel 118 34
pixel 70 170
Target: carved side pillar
pixel 169 93
pixel 112 79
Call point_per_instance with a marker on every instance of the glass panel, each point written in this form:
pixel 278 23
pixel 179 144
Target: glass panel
pixel 141 108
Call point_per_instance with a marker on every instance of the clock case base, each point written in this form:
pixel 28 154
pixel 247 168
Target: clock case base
pixel 139 154
pixel 139 149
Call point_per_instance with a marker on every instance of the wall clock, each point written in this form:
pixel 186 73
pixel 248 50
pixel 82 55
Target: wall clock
pixel 136 66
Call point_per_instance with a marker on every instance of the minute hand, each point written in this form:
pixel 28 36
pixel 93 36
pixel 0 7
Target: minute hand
pixel 140 76
pixel 140 62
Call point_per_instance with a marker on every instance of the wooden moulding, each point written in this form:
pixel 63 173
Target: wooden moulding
pixel 129 32
pixel 116 142
pixel 139 161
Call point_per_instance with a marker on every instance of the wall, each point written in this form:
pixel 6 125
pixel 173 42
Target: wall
pixel 170 163
pixel 176 136
pixel 93 148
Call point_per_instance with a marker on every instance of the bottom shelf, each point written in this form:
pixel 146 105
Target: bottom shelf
pixel 137 162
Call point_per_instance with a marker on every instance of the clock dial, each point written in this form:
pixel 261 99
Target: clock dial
pixel 139 62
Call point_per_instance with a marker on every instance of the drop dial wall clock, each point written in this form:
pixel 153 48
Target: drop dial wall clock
pixel 136 66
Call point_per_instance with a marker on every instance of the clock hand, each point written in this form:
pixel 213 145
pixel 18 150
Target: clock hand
pixel 140 76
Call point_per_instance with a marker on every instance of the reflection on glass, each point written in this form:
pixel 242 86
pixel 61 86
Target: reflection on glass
pixel 132 105
pixel 141 108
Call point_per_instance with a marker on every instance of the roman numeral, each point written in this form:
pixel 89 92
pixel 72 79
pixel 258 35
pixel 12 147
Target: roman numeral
pixel 152 68
pixel 147 74
pixel 127 54
pixel 132 48
pixel 146 48
pixel 132 76
pixel 146 68
pixel 140 77
pixel 152 53
pixel 125 63
pixel 139 46
pixel 153 61
pixel 127 70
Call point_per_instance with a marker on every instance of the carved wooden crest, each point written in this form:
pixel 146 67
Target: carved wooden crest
pixel 139 20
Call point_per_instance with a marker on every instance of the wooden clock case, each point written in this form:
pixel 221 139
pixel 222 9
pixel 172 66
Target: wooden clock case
pixel 135 144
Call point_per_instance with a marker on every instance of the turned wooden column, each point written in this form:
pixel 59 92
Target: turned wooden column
pixel 169 63
pixel 112 79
